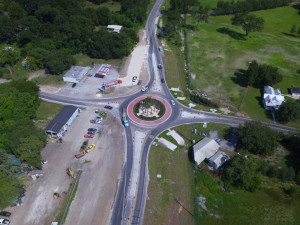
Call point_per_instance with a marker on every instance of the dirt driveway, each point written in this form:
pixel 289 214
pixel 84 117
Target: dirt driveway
pixel 99 176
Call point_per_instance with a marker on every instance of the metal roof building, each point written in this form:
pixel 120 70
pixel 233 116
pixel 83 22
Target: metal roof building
pixel 76 74
pixel 218 159
pixel 114 28
pixel 62 121
pixel 205 149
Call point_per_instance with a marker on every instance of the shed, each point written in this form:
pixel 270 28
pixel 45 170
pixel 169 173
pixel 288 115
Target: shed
pixel 205 149
pixel 114 28
pixel 218 159
pixel 295 91
pixel 62 121
pixel 76 74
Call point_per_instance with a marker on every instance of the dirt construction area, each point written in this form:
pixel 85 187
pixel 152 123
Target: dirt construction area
pixel 98 183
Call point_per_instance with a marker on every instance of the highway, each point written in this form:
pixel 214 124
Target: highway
pixel 174 120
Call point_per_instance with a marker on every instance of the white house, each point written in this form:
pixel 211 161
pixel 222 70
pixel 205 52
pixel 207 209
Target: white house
pixel 205 149
pixel 218 159
pixel 76 74
pixel 295 91
pixel 114 28
pixel 272 98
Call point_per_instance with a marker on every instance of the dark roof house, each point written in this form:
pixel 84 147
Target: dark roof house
pixel 295 91
pixel 63 119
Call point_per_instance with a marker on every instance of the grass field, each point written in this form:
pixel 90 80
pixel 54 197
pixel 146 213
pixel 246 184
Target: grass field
pixel 266 206
pixel 46 112
pixel 177 179
pixel 218 50
pixel 201 194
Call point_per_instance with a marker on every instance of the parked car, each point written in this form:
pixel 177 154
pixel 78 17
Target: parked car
pixel 4 221
pixel 139 82
pixel 159 48
pixel 108 107
pixel 5 213
pixel 43 162
pixel 91 132
pixel 172 102
pixel 89 136
pixel 144 89
pixel 92 129
pixel 91 146
pixel 159 66
pixel 162 80
pixel 218 140
pixel 202 134
pixel 74 85
pixel 134 79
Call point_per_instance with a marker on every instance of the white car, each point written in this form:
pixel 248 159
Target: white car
pixel 172 102
pixel 4 222
pixel 144 89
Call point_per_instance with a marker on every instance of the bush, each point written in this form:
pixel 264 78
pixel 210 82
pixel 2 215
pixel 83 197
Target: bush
pixel 203 101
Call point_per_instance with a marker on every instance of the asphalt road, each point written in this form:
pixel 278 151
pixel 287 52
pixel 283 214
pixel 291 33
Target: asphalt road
pixel 174 120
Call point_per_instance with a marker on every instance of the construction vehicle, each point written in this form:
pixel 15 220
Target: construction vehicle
pixel 56 195
pixel 124 118
pixel 111 83
pixel 70 172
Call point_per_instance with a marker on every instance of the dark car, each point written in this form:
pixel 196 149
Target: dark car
pixel 162 80
pixel 159 66
pixel 108 107
pixel 5 213
pixel 74 85
pixel 92 129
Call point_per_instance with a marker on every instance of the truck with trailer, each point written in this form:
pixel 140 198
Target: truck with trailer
pixel 124 118
pixel 111 83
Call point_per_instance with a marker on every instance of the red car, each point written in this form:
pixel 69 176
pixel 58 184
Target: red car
pixel 89 136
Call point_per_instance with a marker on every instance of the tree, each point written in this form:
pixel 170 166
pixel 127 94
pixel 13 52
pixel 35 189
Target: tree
pixel 201 14
pixel 9 189
pixel 240 172
pixel 33 64
pixel 256 138
pixel 288 111
pixel 298 31
pixel 268 75
pixel 252 73
pixel 15 11
pixel 249 22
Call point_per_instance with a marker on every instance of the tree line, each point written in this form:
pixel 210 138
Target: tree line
pixel 19 137
pixel 49 32
pixel 254 138
pixel 232 7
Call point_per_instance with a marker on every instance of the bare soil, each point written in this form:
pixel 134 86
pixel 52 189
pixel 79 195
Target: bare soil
pixel 97 183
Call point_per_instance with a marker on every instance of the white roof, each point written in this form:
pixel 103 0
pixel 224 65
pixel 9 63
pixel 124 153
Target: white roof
pixel 114 27
pixel 77 72
pixel 272 98
pixel 205 148
pixel 219 158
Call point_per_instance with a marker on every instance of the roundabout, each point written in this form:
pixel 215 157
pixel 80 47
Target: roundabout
pixel 149 110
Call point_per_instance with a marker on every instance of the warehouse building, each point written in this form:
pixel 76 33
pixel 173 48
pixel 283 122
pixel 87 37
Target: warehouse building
pixel 76 74
pixel 59 125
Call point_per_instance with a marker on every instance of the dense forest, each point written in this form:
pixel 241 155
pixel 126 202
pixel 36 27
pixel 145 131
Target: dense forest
pixel 49 32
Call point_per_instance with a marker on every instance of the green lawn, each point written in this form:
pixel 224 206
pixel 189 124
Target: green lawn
pixel 218 50
pixel 266 206
pixel 46 112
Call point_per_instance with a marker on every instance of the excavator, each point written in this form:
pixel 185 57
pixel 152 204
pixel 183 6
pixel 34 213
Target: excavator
pixel 56 195
pixel 70 172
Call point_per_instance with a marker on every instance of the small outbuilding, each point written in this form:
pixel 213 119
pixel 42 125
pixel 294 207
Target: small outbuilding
pixel 76 74
pixel 114 28
pixel 218 159
pixel 62 121
pixel 295 91
pixel 205 149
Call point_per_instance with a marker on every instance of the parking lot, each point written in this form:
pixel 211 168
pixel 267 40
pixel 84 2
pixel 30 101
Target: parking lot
pixel 97 185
